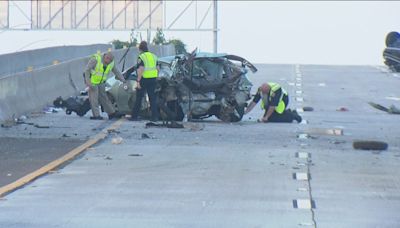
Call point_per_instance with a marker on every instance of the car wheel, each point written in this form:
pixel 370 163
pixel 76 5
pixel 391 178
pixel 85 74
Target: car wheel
pixel 369 145
pixel 235 118
pixel 391 38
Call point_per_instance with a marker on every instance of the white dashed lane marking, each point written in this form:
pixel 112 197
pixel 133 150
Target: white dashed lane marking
pixel 303 155
pixel 301 176
pixel 303 204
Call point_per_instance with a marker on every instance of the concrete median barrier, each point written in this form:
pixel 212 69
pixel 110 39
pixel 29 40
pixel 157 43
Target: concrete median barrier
pixel 34 59
pixel 26 92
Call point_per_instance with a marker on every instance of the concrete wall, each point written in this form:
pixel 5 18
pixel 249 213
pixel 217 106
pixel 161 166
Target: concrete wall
pixel 25 92
pixel 19 62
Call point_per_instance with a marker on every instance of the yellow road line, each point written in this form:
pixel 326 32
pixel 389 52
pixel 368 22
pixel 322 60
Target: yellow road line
pixel 54 164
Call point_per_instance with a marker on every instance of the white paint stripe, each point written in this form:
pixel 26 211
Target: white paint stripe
pixel 291 83
pixel 299 92
pixel 303 155
pixel 300 99
pixel 303 136
pixel 393 98
pixel 303 144
pixel 303 203
pixel 322 84
pixel 301 176
pixel 306 224
pixel 298 84
pixel 302 190
pixel 299 109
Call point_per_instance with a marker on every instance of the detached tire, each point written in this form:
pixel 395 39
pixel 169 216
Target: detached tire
pixel 369 145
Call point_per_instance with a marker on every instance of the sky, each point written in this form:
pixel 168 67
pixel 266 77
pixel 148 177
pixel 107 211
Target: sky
pixel 293 32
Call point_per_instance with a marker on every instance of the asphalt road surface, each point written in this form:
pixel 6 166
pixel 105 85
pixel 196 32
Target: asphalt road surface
pixel 247 174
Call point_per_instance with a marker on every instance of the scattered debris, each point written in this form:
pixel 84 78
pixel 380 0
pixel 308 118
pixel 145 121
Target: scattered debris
pixel 193 126
pixel 117 140
pixel 49 110
pixel 145 136
pixel 40 126
pixel 172 124
pixel 8 124
pixel 303 136
pixel 337 142
pixel 108 158
pixel 135 155
pixel 9 174
pixel 322 131
pixel 391 110
pixel 308 109
pixel 393 98
pixel 369 145
pixel 342 109
pixel 65 136
pixel 110 131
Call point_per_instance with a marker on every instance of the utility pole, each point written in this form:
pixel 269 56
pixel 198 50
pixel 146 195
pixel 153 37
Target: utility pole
pixel 215 27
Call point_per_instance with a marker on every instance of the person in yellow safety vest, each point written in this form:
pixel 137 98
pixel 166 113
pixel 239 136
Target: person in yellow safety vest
pixel 274 101
pixel 96 73
pixel 147 73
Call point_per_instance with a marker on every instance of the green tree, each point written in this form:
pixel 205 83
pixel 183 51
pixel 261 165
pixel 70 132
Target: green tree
pixel 180 47
pixel 159 38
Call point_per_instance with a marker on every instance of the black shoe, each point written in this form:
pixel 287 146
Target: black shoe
pixel 297 117
pixel 96 118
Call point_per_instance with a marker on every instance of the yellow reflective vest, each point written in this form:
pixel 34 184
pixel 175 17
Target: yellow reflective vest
pixel 99 75
pixel 150 64
pixel 281 105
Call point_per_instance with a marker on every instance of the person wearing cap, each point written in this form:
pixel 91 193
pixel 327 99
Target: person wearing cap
pixel 147 73
pixel 274 101
pixel 96 73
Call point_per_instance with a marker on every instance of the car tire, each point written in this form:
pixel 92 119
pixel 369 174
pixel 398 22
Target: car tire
pixel 240 110
pixel 369 145
pixel 391 38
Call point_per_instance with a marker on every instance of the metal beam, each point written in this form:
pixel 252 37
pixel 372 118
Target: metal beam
pixel 87 14
pixel 215 27
pixel 177 18
pixel 55 15
pixel 118 14
pixel 205 15
pixel 148 16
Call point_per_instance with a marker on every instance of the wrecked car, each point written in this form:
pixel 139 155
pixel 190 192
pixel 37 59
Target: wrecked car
pixel 196 85
pixel 391 54
pixel 202 85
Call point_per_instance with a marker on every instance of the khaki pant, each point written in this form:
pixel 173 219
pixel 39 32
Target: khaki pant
pixel 97 93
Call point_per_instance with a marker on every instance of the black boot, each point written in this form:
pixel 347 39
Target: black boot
pixel 296 116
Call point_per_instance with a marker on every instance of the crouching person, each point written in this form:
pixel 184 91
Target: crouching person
pixel 274 101
pixel 96 73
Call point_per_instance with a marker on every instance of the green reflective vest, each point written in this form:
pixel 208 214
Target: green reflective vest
pixel 150 64
pixel 99 75
pixel 281 105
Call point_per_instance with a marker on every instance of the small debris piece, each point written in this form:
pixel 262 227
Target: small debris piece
pixel 117 140
pixel 369 145
pixel 108 158
pixel 113 131
pixel 9 174
pixel 135 155
pixel 193 126
pixel 65 136
pixel 40 126
pixel 145 136
pixel 342 109
pixel 308 109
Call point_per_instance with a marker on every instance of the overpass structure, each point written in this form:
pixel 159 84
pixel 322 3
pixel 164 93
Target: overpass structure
pixel 88 15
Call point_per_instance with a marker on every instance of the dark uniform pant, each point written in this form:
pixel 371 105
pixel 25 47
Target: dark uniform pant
pixel 286 117
pixel 148 85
